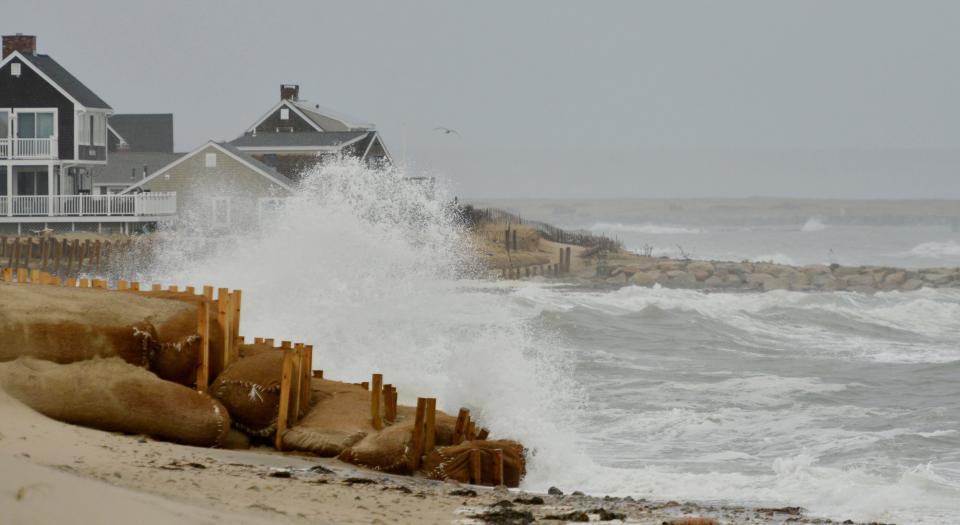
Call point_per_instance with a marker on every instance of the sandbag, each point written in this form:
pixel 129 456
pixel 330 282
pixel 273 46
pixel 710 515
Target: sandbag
pixel 454 462
pixel 65 325
pixel 388 450
pixel 339 417
pixel 177 356
pixel 110 394
pixel 250 389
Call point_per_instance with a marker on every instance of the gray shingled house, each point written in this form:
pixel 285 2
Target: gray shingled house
pixel 295 135
pixel 139 145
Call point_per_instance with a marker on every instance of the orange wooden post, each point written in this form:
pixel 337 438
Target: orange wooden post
pixel 318 374
pixel 7 275
pixel 203 328
pixel 257 340
pixel 476 464
pixel 190 290
pixel 268 341
pixel 306 389
pixel 223 305
pixel 375 394
pixel 390 414
pixel 135 286
pixel 295 382
pixel 71 282
pixel 35 276
pixel 21 275
pixel 237 297
pixel 303 380
pixel 156 288
pixel 471 431
pixel 84 283
pixel 173 288
pixel 460 428
pixel 416 446
pixel 208 292
pixel 497 467
pixel 286 378
pixel 430 426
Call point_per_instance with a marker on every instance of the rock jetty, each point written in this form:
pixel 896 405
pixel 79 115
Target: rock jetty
pixel 766 276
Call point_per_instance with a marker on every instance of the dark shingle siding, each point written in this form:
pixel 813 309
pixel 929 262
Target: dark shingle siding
pixel 122 163
pixel 59 75
pixel 145 132
pixel 281 140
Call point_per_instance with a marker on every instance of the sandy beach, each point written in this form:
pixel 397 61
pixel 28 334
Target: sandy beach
pixel 55 473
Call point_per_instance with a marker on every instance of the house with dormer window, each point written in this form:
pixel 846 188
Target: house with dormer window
pixel 53 138
pixel 294 135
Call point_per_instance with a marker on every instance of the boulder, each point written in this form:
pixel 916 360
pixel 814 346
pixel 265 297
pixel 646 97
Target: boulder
pixel 859 280
pixel 714 282
pixel 645 278
pixel 681 279
pixel 911 285
pixel 696 267
pixel 894 280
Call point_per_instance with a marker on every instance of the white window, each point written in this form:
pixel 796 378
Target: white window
pixel 15 69
pixel 221 211
pixel 4 123
pixel 284 113
pixel 35 125
pixel 211 160
pixel 99 129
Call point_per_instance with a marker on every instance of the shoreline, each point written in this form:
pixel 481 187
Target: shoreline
pixel 54 472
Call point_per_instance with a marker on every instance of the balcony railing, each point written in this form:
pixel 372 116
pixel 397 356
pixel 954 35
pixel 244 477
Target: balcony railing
pixel 127 205
pixel 28 149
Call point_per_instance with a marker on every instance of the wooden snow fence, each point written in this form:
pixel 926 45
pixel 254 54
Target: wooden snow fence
pixel 61 257
pixel 217 353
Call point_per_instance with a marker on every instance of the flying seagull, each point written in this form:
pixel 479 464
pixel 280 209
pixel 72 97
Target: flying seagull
pixel 447 131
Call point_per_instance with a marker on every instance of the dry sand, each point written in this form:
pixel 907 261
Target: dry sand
pixel 52 472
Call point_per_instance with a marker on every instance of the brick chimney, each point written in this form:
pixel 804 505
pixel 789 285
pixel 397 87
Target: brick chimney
pixel 25 44
pixel 287 91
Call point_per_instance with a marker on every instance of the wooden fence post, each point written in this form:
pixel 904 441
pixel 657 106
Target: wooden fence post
pixel 306 385
pixel 460 428
pixel 416 446
pixel 286 378
pixel 390 410
pixel 476 464
pixel 497 467
pixel 375 395
pixel 223 307
pixel 430 426
pixel 45 252
pixel 568 260
pixel 203 328
pixel 236 296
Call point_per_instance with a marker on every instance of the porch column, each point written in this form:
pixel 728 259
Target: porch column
pixel 9 189
pixel 50 190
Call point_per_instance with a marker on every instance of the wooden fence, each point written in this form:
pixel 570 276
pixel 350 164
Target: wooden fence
pixel 549 231
pixel 297 370
pixel 61 257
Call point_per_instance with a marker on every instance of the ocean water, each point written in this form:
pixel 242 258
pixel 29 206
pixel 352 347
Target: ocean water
pixel 815 241
pixel 845 404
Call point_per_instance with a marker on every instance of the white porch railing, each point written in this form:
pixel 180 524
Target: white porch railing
pixel 128 205
pixel 13 148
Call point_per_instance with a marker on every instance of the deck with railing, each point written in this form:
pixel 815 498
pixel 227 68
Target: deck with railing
pixel 28 149
pixel 43 207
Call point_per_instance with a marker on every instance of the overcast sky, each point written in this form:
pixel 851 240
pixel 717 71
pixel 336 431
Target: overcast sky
pixel 558 99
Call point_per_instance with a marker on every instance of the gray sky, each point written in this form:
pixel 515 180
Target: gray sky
pixel 558 99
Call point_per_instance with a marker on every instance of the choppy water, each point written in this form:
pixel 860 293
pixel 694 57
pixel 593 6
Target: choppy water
pixel 846 404
pixel 815 241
